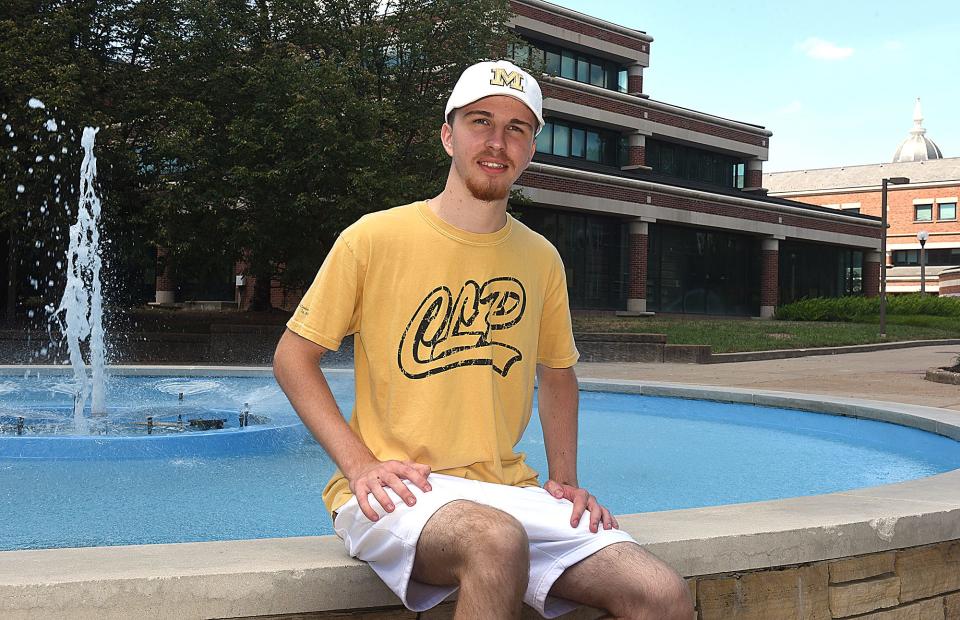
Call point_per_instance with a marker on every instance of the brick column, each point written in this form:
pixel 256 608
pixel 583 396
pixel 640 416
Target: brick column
pixel 769 277
pixel 635 79
pixel 871 274
pixel 753 179
pixel 636 152
pixel 166 285
pixel 637 285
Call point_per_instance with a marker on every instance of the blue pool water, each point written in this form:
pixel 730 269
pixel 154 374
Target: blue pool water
pixel 637 454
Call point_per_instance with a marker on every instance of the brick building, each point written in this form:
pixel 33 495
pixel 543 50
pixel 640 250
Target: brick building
pixel 928 203
pixel 655 207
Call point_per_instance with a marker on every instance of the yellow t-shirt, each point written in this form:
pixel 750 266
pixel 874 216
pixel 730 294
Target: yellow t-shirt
pixel 448 329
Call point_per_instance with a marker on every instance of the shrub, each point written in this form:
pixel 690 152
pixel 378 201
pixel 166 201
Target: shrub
pixel 863 308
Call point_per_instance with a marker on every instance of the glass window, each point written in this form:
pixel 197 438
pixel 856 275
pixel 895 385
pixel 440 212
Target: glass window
pixel 596 74
pixel 521 54
pixel 922 213
pixel 574 140
pixel 537 60
pixel 948 211
pixel 540 55
pixel 553 63
pixel 577 142
pixel 545 139
pixel 568 66
pixel 593 146
pixel 701 271
pixel 738 175
pixel 561 140
pixel 687 162
pixel 583 70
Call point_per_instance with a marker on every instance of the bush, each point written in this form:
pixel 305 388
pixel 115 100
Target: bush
pixel 858 309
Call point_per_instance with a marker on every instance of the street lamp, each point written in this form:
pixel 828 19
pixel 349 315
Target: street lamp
pixel 883 248
pixel 922 237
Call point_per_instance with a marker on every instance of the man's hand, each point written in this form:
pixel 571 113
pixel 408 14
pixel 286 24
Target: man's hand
pixel 582 500
pixel 375 477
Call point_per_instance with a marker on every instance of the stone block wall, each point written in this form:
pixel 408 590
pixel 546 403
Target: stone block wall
pixel 916 583
pixel 920 583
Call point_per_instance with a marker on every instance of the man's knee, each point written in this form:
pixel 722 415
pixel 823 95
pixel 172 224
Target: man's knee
pixel 675 600
pixel 494 538
pixel 662 594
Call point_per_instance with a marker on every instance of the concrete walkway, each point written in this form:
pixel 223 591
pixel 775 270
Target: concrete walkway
pixel 895 375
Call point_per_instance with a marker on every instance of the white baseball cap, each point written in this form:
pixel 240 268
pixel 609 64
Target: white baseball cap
pixel 496 77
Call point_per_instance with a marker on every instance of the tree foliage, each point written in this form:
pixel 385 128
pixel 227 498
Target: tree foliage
pixel 249 130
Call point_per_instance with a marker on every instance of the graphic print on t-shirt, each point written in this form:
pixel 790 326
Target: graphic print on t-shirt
pixel 444 334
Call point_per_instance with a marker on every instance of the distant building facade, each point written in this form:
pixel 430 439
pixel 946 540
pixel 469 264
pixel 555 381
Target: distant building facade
pixel 928 203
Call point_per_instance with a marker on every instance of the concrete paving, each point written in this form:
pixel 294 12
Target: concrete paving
pixel 894 375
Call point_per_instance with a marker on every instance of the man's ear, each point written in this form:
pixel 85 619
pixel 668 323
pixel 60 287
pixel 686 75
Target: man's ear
pixel 446 138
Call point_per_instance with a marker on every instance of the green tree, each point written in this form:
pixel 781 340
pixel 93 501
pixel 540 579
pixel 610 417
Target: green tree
pixel 232 129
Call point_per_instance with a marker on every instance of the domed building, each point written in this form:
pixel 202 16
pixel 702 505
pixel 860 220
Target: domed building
pixel 917 146
pixel 927 204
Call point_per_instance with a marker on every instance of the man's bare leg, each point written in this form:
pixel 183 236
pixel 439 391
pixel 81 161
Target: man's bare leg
pixel 482 549
pixel 627 582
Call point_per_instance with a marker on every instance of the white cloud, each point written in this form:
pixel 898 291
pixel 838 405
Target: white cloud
pixel 791 108
pixel 893 46
pixel 824 50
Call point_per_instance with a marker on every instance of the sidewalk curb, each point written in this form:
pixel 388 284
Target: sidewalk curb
pixel 754 356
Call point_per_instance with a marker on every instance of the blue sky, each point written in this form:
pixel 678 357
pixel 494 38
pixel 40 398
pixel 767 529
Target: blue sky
pixel 834 81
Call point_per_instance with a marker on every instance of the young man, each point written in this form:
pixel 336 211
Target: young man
pixel 455 307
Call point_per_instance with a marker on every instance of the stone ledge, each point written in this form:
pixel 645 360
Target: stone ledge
pixel 939 375
pixel 753 356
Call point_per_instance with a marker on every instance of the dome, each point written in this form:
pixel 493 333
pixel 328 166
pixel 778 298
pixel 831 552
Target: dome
pixel 917 146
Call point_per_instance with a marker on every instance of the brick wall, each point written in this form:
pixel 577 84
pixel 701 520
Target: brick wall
pixel 899 210
pixel 950 284
pixel 165 279
pixel 871 278
pixel 640 110
pixel 638 266
pixel 769 277
pixel 628 194
pixel 635 84
pixel 637 155
pixel 281 297
pixel 589 30
pixel 753 178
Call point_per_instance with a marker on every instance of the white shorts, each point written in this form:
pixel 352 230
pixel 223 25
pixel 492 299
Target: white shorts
pixel 389 545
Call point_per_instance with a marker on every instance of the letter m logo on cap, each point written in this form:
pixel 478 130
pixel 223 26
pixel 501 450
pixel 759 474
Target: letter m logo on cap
pixel 501 77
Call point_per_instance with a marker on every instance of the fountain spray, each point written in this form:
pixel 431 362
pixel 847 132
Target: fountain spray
pixel 81 309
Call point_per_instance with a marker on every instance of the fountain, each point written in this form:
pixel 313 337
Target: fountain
pixel 206 417
pixel 80 313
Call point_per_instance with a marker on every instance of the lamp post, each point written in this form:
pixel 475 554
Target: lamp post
pixel 883 248
pixel 922 237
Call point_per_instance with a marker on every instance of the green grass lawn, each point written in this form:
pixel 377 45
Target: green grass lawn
pixel 732 335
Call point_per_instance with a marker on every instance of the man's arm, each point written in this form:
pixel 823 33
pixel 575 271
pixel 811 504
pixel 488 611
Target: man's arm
pixel 558 397
pixel 296 365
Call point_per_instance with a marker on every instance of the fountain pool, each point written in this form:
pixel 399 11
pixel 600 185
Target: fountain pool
pixel 638 453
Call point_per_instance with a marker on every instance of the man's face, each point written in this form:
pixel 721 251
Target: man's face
pixel 491 142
